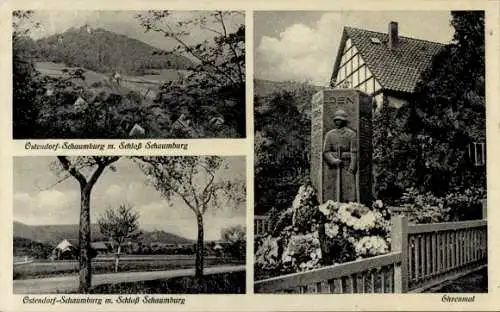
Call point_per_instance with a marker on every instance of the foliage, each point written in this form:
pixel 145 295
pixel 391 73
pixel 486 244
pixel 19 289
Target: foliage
pixel 281 148
pixel 426 146
pixel 467 204
pixel 221 283
pixel 330 233
pixel 27 87
pixel 86 171
pixel 119 225
pixel 104 51
pixel 455 206
pixel 424 207
pixel 49 107
pixel 27 247
pixel 236 237
pixel 193 180
pixel 214 87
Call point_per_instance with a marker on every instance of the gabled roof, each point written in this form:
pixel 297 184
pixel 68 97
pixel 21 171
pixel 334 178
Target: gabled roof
pixel 64 245
pixel 398 69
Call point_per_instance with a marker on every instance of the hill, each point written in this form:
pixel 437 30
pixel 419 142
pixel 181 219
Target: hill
pixel 105 51
pixel 263 88
pixel 54 234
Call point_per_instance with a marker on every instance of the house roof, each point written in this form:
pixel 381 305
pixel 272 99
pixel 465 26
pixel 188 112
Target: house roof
pixel 398 69
pixel 64 245
pixel 99 246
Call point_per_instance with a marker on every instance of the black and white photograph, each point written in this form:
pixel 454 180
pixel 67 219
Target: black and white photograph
pixel 376 182
pixel 129 225
pixel 128 74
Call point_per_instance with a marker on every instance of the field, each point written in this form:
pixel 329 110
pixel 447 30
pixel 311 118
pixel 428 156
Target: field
pixel 147 85
pixel 226 283
pixel 42 269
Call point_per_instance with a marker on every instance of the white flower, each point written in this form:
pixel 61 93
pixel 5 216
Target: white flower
pixel 331 230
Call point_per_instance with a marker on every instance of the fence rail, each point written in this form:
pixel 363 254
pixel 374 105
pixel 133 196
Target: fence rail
pixel 261 225
pixel 422 256
pixel 351 277
pixel 437 252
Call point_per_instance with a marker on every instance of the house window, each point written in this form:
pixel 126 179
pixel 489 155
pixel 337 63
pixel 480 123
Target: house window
pixel 477 153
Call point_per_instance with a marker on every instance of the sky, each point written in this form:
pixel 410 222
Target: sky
pixel 302 45
pixel 38 202
pixel 125 23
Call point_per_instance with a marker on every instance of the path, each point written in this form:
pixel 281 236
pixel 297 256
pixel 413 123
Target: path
pixel 66 284
pixel 476 282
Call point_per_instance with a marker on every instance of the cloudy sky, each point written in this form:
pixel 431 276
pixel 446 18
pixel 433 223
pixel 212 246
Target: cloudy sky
pixel 303 45
pixel 36 203
pixel 125 23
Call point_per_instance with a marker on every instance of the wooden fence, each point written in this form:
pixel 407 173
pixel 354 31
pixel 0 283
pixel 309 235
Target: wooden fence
pixel 422 256
pixel 261 225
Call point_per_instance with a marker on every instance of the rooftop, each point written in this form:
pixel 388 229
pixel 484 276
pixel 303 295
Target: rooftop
pixel 396 69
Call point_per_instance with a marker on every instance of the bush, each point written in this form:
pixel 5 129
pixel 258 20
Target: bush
pixel 424 207
pixel 455 206
pixel 225 283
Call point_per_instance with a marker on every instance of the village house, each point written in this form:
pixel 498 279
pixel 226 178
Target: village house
pixel 387 66
pixel 384 65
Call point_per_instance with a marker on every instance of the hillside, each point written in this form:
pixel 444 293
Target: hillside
pixel 263 88
pixel 54 234
pixel 104 51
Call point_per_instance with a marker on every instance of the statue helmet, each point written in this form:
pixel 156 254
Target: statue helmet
pixel 340 115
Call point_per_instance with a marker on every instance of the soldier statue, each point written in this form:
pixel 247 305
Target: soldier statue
pixel 340 152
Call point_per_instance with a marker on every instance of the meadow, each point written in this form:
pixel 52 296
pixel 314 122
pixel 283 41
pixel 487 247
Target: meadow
pixel 42 269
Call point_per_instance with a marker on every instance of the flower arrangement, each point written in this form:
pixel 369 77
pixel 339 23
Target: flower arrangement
pixel 310 235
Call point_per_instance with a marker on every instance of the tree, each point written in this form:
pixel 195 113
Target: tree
pixel 236 237
pixel 86 171
pixel 27 87
pixel 215 85
pixel 119 225
pixel 281 148
pixel 447 113
pixel 193 180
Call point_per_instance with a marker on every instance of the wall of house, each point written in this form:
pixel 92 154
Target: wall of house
pixel 354 73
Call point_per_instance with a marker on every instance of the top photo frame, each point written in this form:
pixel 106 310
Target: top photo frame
pixel 128 74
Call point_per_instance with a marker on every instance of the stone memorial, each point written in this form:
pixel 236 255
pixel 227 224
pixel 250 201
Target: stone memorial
pixel 341 145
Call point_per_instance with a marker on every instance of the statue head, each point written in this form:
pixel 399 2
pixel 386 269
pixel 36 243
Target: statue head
pixel 340 119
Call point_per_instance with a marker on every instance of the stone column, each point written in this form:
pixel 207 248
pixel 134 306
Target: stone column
pixel 358 106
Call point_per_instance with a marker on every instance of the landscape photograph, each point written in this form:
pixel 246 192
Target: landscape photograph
pixel 376 182
pixel 128 225
pixel 128 74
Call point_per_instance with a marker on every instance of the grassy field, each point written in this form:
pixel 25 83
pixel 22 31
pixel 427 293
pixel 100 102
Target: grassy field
pixel 41 269
pixel 227 283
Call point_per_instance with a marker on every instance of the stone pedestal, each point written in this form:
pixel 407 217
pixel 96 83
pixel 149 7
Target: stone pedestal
pixel 358 106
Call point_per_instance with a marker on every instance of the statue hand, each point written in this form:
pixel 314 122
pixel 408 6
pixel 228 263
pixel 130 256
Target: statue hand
pixel 331 160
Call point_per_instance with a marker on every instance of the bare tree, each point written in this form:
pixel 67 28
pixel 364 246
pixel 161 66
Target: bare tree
pixel 193 180
pixel 86 170
pixel 119 225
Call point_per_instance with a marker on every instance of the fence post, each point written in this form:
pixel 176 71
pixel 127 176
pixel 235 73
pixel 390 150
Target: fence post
pixel 399 243
pixel 485 208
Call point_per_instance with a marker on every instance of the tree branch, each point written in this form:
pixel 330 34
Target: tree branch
pixel 101 165
pixel 72 170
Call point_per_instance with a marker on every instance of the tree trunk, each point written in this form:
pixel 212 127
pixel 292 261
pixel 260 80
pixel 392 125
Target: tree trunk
pixel 199 248
pixel 117 257
pixel 84 242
